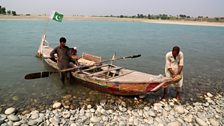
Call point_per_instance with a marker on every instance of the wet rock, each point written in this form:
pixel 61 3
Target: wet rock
pixel 67 97
pixel 10 111
pixel 15 98
pixel 201 122
pixel 57 105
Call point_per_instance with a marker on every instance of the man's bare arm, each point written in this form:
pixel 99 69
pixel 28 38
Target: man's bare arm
pixel 180 68
pixel 171 71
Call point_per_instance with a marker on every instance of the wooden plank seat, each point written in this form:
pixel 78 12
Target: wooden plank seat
pixel 105 71
pixel 95 67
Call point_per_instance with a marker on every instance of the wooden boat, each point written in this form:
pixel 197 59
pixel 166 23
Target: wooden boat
pixel 108 77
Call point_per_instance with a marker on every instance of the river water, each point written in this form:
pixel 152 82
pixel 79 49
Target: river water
pixel 203 48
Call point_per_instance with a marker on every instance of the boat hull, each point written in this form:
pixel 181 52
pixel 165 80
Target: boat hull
pixel 123 89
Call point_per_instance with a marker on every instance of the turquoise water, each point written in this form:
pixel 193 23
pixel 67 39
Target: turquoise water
pixel 203 47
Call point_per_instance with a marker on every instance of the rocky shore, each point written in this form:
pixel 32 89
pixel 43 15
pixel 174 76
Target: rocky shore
pixel 163 113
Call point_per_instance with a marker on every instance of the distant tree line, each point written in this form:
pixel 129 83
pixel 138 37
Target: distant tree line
pixel 170 17
pixel 3 11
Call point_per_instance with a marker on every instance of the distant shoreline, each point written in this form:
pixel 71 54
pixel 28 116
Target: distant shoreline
pixel 91 18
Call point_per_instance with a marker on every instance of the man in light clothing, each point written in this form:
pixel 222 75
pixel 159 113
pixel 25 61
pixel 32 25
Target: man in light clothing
pixel 173 67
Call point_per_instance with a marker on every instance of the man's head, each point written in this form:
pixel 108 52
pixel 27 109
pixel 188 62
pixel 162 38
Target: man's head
pixel 62 41
pixel 175 51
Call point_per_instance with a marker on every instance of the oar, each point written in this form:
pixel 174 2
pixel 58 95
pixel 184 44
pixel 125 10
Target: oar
pixel 48 73
pixel 38 75
pixel 80 67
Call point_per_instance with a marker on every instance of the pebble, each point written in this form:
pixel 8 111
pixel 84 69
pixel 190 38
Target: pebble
pixel 94 119
pixel 151 113
pixel 16 123
pixel 10 111
pixel 174 124
pixel 209 94
pixel 32 122
pixel 15 98
pixel 214 122
pixel 179 109
pixel 66 114
pixel 188 118
pixel 89 107
pixel 135 121
pixel 92 110
pixel 13 118
pixel 57 105
pixel 34 116
pixel 201 122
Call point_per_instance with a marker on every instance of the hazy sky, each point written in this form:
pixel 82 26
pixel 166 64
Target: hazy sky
pixel 211 8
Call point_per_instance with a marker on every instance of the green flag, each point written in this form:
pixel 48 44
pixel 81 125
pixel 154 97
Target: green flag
pixel 57 16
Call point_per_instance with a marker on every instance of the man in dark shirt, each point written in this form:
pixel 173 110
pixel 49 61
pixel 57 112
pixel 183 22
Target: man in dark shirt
pixel 63 58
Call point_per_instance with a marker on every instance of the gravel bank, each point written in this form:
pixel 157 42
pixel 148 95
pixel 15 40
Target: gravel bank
pixel 163 113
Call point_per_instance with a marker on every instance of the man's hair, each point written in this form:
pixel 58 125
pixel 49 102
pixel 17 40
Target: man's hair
pixel 62 39
pixel 176 48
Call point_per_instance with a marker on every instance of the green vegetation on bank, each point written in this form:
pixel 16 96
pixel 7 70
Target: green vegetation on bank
pixel 180 17
pixel 174 18
pixel 4 11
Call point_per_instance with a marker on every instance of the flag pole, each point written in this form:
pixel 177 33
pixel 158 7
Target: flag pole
pixel 46 25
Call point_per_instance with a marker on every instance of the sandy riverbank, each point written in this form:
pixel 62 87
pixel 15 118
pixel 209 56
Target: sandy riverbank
pixel 89 18
pixel 163 113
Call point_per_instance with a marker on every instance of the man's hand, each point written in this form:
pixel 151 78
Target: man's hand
pixel 172 72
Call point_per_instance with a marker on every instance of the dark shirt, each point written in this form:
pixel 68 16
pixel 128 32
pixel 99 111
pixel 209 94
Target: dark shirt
pixel 63 54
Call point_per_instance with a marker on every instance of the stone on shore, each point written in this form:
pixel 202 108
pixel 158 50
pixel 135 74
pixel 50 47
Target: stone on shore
pixel 57 105
pixel 174 124
pixel 209 94
pixel 214 122
pixel 201 122
pixel 158 114
pixel 10 111
pixel 179 109
pixel 13 118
